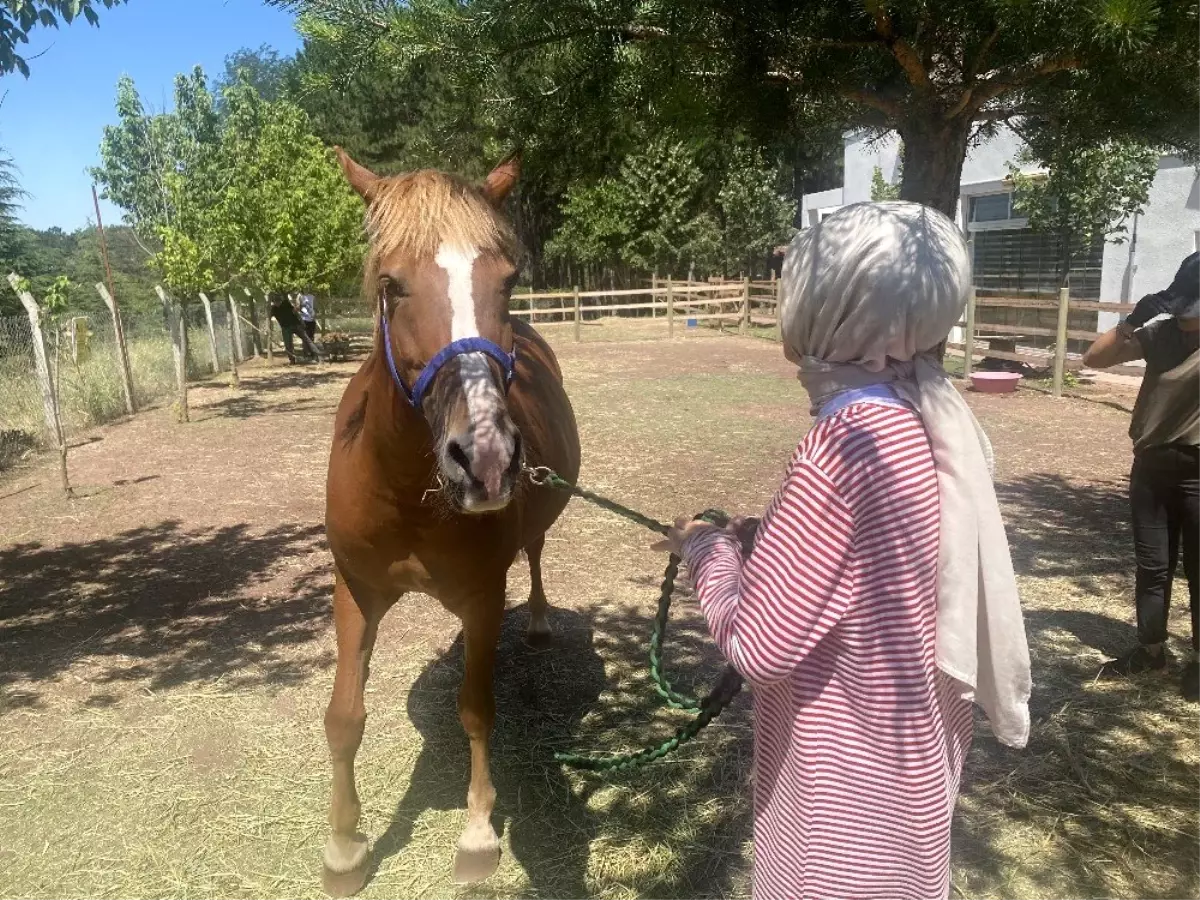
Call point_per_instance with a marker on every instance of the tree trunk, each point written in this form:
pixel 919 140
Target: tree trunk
pixel 933 160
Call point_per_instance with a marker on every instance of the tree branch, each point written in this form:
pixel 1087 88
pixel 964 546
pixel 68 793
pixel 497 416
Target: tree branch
pixel 906 56
pixel 890 108
pixel 981 55
pixel 630 31
pixel 1014 77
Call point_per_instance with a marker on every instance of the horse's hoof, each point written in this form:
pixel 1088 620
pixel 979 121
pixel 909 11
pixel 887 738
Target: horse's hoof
pixel 540 639
pixel 343 884
pixel 475 865
pixel 346 865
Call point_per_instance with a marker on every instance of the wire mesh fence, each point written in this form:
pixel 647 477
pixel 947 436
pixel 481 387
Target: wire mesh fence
pixel 85 376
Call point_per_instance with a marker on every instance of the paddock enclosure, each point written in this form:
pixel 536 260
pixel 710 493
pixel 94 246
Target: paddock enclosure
pixel 166 655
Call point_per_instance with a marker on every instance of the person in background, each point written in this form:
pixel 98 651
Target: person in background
pixel 1164 484
pixel 291 326
pixel 878 599
pixel 308 315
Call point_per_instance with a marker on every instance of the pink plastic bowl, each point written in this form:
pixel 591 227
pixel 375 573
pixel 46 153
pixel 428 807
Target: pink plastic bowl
pixel 995 382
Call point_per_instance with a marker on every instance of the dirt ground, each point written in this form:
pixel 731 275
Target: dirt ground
pixel 166 654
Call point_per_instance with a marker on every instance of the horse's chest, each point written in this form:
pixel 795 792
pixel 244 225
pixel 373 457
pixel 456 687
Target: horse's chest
pixel 451 568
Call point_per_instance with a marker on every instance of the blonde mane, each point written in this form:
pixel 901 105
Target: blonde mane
pixel 414 214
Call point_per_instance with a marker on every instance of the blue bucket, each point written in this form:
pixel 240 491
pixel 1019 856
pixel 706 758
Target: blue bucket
pixel 691 323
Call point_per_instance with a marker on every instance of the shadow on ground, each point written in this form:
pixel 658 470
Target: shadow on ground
pixel 160 603
pixel 1068 528
pixel 1102 801
pixel 691 809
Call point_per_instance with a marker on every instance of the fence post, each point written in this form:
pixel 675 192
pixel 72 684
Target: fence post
pixel 178 327
pixel 49 395
pixel 235 342
pixel 1060 348
pixel 745 323
pixel 41 364
pixel 236 331
pixel 670 308
pixel 654 294
pixel 212 332
pixel 122 348
pixel 777 292
pixel 969 339
pixel 532 315
pixel 578 314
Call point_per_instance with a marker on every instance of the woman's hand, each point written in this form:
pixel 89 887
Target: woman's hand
pixel 684 528
pixel 745 528
pixel 741 527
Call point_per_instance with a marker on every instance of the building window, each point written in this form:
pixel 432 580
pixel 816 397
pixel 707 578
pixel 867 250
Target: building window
pixel 991 207
pixel 1021 262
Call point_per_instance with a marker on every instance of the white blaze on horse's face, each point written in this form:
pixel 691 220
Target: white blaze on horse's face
pixel 484 452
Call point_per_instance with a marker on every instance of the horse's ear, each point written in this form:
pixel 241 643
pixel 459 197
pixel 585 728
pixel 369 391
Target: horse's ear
pixel 362 179
pixel 502 178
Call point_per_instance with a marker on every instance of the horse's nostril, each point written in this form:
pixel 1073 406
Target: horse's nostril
pixel 459 454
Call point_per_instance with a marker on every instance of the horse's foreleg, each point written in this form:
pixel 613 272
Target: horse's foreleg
pixel 479 847
pixel 538 633
pixel 356 624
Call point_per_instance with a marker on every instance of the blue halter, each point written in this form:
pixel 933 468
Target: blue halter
pixel 508 361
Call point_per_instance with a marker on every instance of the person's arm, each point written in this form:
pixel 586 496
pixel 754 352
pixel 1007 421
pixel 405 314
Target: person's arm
pixel 1121 345
pixel 768 613
pixel 1117 345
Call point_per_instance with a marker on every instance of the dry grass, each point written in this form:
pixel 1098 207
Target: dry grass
pixel 166 658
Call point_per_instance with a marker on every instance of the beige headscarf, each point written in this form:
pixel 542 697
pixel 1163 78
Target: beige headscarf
pixel 867 296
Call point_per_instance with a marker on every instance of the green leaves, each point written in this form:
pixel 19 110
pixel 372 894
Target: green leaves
pixel 1089 192
pixel 249 195
pixel 659 213
pixel 20 17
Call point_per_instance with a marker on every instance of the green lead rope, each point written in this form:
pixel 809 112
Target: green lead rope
pixel 706 708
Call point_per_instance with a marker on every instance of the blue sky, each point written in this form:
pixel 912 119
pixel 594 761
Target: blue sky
pixel 51 123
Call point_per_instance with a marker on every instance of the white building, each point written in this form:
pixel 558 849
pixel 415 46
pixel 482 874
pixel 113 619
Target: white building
pixel 1010 258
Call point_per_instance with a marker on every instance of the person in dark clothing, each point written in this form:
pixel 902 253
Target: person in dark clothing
pixel 291 327
pixel 1164 485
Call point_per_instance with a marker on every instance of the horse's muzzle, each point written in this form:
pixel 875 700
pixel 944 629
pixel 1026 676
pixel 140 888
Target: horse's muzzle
pixel 482 465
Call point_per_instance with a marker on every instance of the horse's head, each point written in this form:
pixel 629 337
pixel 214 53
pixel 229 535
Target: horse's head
pixel 442 264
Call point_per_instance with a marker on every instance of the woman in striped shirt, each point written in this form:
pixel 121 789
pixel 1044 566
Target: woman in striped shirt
pixel 879 599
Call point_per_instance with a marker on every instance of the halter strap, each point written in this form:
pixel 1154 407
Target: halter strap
pixel 415 396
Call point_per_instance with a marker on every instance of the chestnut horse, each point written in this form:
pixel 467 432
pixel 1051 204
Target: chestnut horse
pixel 425 492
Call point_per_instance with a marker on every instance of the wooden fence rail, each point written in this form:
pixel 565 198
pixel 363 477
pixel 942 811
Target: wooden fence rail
pixel 756 303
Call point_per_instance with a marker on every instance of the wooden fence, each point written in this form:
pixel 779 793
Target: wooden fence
pixel 1002 341
pixel 742 303
pixel 747 303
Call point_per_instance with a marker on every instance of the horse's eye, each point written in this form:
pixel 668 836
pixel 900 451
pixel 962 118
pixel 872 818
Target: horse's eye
pixel 392 288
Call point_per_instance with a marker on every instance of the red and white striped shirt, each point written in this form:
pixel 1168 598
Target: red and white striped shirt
pixel 859 738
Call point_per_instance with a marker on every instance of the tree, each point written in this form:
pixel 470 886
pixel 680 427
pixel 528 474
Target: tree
pixel 941 73
pixel 1087 194
pixel 12 245
pixel 650 216
pixel 18 18
pixel 263 69
pixel 755 217
pixel 238 193
pixel 286 218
